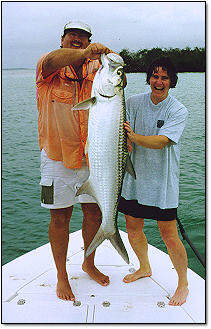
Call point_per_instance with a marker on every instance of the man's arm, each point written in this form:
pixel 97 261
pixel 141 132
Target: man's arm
pixel 62 57
pixel 152 142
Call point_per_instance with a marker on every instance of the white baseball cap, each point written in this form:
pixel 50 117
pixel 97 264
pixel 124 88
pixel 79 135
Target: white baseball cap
pixel 78 25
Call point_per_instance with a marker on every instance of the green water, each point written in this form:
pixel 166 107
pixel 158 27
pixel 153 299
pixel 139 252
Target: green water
pixel 25 223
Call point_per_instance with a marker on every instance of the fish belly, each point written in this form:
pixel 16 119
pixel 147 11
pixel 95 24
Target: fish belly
pixel 104 157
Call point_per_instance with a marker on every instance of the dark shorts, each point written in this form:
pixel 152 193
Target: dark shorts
pixel 137 210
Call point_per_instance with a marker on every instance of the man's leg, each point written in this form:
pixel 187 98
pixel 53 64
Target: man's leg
pixel 59 238
pixel 178 255
pixel 91 224
pixel 139 244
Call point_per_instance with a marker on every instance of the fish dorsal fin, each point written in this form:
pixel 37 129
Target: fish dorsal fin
pixel 85 105
pixel 129 167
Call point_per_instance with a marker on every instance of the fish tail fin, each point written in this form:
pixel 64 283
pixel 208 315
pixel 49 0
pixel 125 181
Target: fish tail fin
pixel 118 244
pixel 97 240
pixel 115 240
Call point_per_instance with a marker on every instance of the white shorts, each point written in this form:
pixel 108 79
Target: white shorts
pixel 60 184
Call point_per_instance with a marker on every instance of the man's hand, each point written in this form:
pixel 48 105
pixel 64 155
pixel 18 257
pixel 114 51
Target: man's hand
pixel 95 50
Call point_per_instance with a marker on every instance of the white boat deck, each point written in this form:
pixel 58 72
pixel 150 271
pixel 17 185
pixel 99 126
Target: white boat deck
pixel 29 289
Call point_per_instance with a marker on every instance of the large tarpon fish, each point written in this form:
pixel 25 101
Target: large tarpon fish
pixel 107 148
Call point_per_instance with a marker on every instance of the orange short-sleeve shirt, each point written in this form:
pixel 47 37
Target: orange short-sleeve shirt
pixel 63 132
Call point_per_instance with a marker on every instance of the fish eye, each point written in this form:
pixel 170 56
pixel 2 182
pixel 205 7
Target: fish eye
pixel 119 72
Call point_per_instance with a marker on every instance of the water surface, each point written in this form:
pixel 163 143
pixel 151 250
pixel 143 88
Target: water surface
pixel 25 223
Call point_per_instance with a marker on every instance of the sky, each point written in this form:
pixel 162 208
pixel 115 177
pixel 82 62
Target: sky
pixel 30 29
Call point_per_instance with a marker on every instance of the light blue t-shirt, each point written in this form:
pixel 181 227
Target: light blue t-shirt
pixel 157 171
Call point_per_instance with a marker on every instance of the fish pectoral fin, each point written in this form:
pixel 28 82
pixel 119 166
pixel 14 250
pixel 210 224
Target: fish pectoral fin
pixel 85 105
pixel 86 188
pixel 129 167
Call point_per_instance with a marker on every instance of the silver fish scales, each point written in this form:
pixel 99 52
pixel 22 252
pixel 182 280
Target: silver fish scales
pixel 107 149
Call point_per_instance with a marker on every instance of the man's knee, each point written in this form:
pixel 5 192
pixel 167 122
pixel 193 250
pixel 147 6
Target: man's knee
pixel 60 217
pixel 91 212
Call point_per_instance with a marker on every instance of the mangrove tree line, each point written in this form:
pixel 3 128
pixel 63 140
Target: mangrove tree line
pixel 185 60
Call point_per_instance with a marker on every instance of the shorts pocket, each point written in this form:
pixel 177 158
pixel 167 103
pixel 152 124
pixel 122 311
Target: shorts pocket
pixel 47 190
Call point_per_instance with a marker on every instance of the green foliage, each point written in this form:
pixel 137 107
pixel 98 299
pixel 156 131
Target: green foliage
pixel 185 60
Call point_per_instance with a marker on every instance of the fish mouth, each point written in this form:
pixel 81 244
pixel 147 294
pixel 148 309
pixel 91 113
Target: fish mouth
pixel 106 96
pixel 115 59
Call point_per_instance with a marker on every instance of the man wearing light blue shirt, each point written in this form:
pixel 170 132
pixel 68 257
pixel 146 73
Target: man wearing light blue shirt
pixel 157 121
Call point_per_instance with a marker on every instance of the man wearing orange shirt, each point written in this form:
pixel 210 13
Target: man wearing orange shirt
pixel 64 78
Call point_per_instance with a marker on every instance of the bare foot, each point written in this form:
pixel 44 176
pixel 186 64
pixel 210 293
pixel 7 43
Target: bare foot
pixel 95 274
pixel 137 275
pixel 64 290
pixel 179 297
